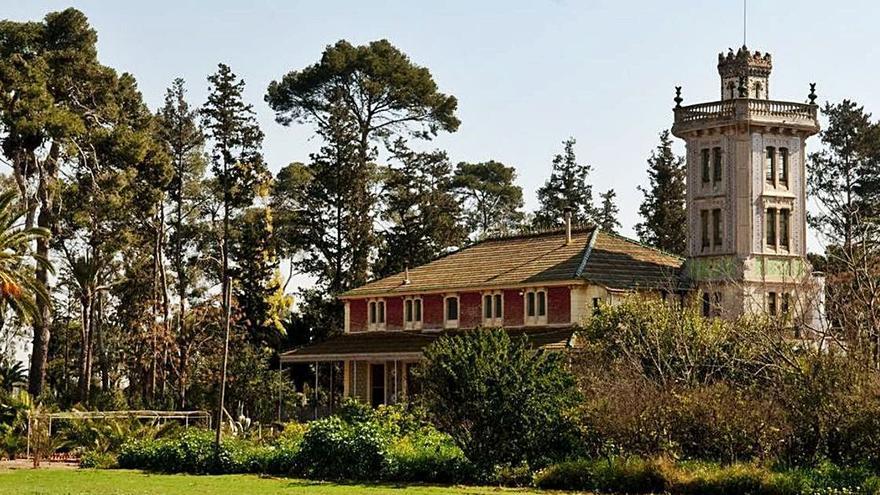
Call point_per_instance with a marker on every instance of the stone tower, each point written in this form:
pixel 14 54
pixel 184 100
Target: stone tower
pixel 746 195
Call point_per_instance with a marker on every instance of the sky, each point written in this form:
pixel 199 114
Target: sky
pixel 527 74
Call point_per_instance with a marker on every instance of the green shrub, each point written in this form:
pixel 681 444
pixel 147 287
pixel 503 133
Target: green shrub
pixel 500 400
pixel 97 460
pixel 614 475
pixel 426 455
pixel 335 449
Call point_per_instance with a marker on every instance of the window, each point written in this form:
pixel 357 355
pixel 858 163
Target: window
pixel 716 227
pixel 784 215
pixel 771 227
pixel 597 305
pixel 770 165
pixel 757 90
pixel 493 309
pixel 452 311
pixel 377 315
pixel 536 306
pixel 783 166
pixel 530 304
pixel 786 304
pixel 716 165
pixel 707 305
pixel 542 303
pixel 771 303
pixel 704 157
pixel 377 384
pixel 704 223
pixel 412 313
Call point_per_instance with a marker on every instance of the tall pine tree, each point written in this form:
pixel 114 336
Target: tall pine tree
pixel 567 187
pixel 664 217
pixel 491 199
pixel 607 216
pixel 422 210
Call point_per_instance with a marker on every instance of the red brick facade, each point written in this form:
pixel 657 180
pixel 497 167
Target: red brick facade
pixel 470 310
pixel 394 313
pixel 558 305
pixel 357 315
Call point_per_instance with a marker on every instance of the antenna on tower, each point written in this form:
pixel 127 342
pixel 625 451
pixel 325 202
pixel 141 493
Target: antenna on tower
pixel 744 22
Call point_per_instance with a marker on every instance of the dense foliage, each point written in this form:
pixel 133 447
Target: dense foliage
pixel 499 399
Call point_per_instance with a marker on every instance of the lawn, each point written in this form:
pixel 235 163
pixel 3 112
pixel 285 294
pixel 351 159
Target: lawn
pixel 122 482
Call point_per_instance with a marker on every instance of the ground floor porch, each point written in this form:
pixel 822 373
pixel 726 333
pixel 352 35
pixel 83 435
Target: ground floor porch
pixel 379 367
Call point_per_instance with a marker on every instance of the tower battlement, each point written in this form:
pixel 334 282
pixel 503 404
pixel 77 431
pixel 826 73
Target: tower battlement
pixel 744 63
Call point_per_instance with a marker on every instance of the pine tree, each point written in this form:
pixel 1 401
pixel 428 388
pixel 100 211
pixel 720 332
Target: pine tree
pixel 664 217
pixel 422 209
pixel 239 174
pixel 607 218
pixel 567 187
pixel 491 199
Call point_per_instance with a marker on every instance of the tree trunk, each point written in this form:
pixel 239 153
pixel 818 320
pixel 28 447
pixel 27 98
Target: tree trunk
pixel 46 219
pixel 85 354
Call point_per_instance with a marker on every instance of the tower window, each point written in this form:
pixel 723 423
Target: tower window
pixel 707 305
pixel 784 220
pixel 783 166
pixel 716 164
pixel 770 218
pixel 704 159
pixel 771 304
pixel 716 227
pixel 786 304
pixel 704 224
pixel 770 164
pixel 757 90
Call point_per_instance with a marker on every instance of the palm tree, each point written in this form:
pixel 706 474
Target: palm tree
pixel 12 374
pixel 19 288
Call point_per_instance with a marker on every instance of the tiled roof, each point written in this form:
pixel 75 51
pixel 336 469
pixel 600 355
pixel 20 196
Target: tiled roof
pixel 620 263
pixel 598 257
pixel 408 344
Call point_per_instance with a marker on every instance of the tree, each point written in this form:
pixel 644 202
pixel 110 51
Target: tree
pixel 423 212
pixel 664 217
pixel 184 140
pixel 607 217
pixel 844 177
pixel 500 400
pixel 44 68
pixel 20 291
pixel 490 197
pixel 567 187
pixel 239 174
pixel 356 96
pixel 261 301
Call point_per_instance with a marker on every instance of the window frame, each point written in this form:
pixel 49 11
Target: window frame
pixel 717 165
pixel 535 295
pixel 412 312
pixel 706 165
pixel 493 315
pixel 447 321
pixel 376 314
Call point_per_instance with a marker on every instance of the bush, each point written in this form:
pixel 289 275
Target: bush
pixel 426 455
pixel 97 460
pixel 620 475
pixel 335 449
pixel 501 401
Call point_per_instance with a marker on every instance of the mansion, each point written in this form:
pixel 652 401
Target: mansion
pixel 746 250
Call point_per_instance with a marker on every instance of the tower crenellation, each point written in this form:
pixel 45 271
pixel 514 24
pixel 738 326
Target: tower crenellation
pixel 745 74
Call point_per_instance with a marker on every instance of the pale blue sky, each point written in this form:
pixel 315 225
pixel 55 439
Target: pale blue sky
pixel 527 73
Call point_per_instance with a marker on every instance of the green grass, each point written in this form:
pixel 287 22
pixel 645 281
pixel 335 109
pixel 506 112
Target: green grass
pixel 122 482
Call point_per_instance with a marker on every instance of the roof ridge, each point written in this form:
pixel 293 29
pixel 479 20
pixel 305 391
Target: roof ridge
pixel 532 231
pixel 587 252
pixel 642 244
